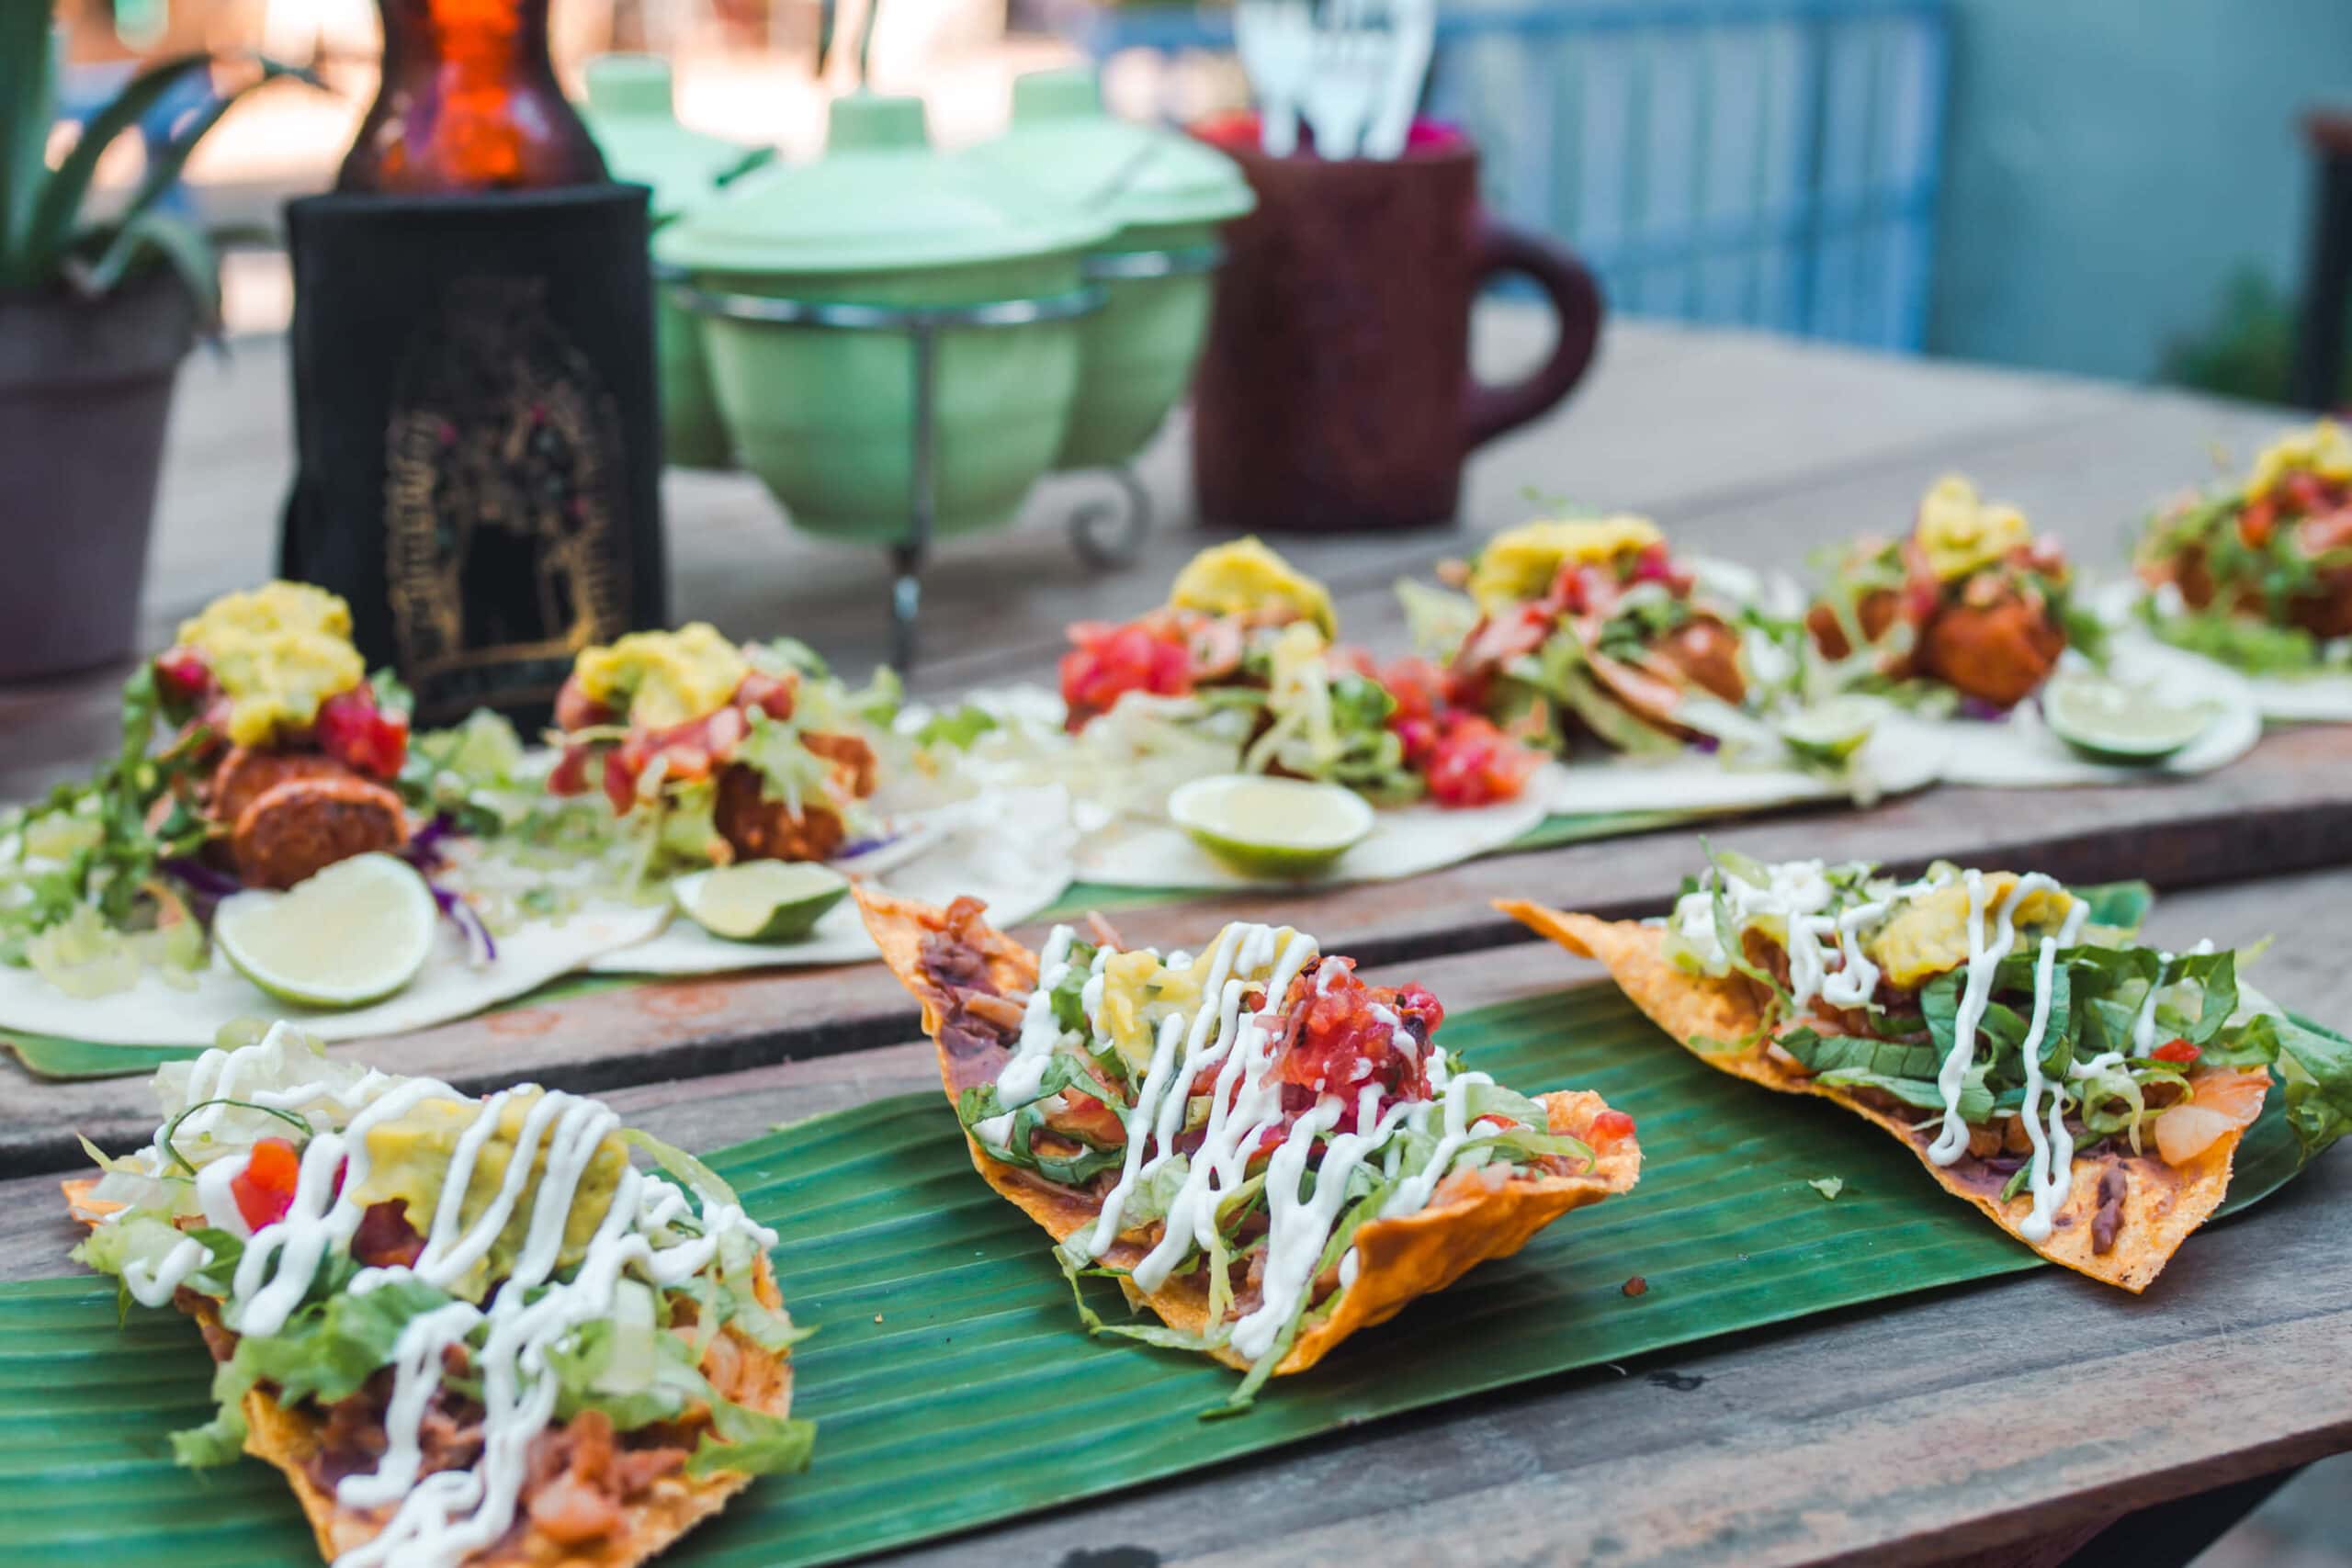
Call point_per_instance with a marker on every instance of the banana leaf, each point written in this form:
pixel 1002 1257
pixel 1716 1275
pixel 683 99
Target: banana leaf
pixel 952 1383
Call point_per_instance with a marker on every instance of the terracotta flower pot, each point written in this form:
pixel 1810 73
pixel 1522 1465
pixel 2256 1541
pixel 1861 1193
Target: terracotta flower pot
pixel 85 388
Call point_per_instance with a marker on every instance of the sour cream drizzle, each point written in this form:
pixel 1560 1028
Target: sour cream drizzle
pixel 1245 1105
pixel 444 1517
pixel 1039 1033
pixel 2050 1170
pixel 1798 893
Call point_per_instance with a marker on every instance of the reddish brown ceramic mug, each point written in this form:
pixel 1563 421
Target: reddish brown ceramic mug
pixel 1335 391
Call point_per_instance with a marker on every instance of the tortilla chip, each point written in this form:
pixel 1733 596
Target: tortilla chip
pixel 286 1438
pixel 2162 1203
pixel 1398 1259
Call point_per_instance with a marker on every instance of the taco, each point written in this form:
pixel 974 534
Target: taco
pixel 2084 1090
pixel 1063 1066
pixel 731 752
pixel 468 1331
pixel 255 753
pixel 2259 574
pixel 1592 628
pixel 1969 599
pixel 1244 653
pixel 299 752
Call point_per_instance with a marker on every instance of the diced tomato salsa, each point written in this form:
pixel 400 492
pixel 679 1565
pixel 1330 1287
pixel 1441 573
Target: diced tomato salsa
pixel 1461 756
pixel 1108 660
pixel 350 726
pixel 690 750
pixel 264 1190
pixel 2296 495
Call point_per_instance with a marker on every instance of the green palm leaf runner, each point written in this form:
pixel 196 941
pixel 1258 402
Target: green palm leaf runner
pixel 952 1383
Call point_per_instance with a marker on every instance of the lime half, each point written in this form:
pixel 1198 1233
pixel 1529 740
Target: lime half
pixel 1831 731
pixel 759 901
pixel 1285 828
pixel 2110 722
pixel 353 935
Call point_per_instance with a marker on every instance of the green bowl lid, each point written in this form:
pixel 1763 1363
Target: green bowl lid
pixel 631 112
pixel 1066 146
pixel 881 198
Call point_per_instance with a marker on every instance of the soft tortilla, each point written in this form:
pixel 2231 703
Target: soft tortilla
pixel 2019 752
pixel 451 986
pixel 2320 697
pixel 1404 841
pixel 2162 1204
pixel 1399 1260
pixel 1012 853
pixel 1895 760
pixel 286 1438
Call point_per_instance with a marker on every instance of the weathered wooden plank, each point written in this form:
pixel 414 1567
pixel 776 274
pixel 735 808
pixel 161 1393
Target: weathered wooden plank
pixel 2287 807
pixel 1904 1433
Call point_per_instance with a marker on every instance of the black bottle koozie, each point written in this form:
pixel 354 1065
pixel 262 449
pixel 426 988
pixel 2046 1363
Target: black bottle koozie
pixel 478 437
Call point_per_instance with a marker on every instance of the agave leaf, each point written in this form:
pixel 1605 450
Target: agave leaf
pixel 49 227
pixel 163 168
pixel 27 105
pixel 181 245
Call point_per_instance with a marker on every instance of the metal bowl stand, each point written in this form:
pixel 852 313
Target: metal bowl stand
pixel 1103 533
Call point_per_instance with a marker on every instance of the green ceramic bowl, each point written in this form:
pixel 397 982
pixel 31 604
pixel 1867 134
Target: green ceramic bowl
pixel 1167 193
pixel 1136 355
pixel 631 111
pixel 826 417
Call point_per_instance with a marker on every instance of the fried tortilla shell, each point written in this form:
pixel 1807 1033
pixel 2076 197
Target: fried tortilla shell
pixel 2160 1204
pixel 1398 1259
pixel 288 1437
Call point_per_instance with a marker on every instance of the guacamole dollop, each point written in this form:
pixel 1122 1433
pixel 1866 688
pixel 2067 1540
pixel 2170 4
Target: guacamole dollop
pixel 660 679
pixel 408 1158
pixel 1246 578
pixel 1929 936
pixel 276 652
pixel 1521 563
pixel 1960 531
pixel 2323 451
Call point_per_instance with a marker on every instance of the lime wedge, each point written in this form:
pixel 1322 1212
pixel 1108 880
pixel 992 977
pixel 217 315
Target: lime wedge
pixel 1831 731
pixel 2110 722
pixel 759 901
pixel 1285 828
pixel 353 935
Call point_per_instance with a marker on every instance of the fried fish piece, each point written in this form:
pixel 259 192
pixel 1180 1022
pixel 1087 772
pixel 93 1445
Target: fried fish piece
pixel 301 825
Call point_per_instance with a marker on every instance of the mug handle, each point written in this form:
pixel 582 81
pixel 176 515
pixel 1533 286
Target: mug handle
pixel 1576 310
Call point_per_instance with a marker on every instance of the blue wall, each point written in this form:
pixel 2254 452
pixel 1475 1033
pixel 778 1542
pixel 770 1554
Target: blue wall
pixel 2111 164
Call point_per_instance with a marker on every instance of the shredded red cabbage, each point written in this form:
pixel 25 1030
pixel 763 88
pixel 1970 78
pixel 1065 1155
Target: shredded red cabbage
pixel 462 915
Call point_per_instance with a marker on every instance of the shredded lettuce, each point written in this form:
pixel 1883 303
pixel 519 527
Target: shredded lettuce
pixel 756 1443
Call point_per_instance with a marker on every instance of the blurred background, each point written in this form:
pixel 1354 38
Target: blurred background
pixel 2079 188
pixel 2101 187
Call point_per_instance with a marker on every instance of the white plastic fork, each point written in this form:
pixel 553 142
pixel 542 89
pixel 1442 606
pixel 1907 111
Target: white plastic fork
pixel 1349 69
pixel 1275 40
pixel 1414 25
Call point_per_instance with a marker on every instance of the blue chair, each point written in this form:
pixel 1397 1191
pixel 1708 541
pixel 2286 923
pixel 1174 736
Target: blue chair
pixel 1757 163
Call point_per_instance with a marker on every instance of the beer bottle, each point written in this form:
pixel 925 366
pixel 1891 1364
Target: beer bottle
pixel 467 102
pixel 474 400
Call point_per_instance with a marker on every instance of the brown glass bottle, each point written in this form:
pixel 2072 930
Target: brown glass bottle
pixel 469 101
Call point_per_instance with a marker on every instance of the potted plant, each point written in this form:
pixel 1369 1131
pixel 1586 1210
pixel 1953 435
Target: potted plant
pixel 97 310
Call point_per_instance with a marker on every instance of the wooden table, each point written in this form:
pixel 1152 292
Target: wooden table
pixel 1926 1430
